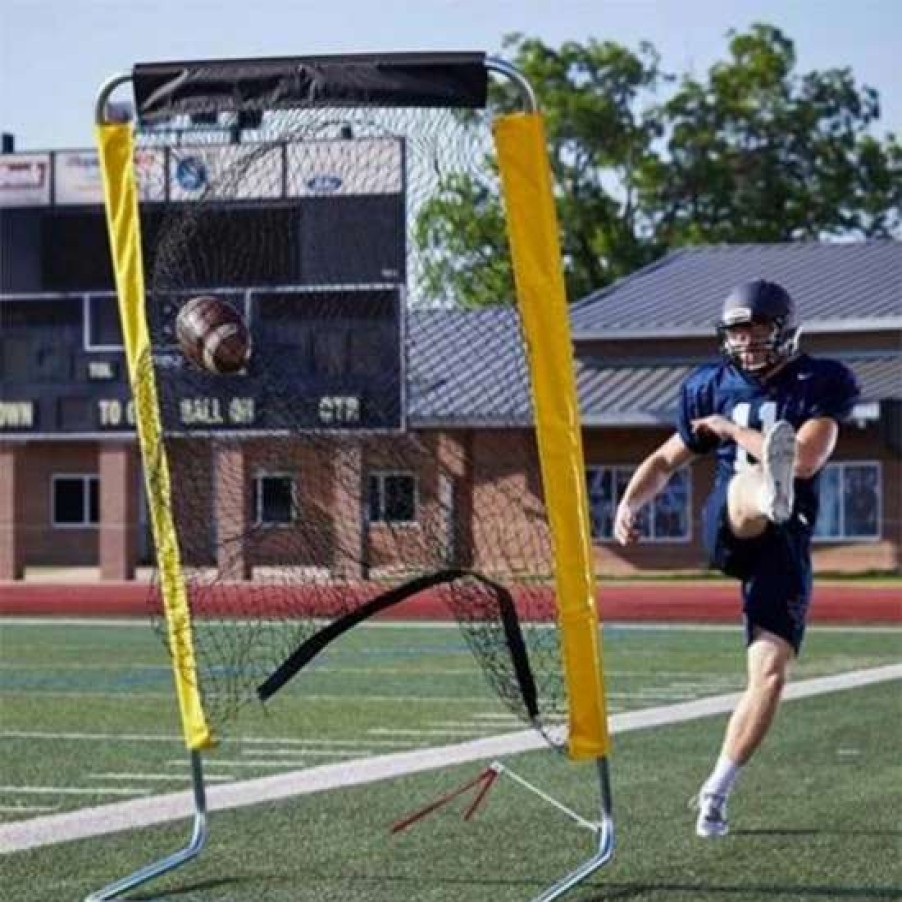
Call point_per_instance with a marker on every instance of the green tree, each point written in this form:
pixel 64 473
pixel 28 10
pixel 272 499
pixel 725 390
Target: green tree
pixel 752 152
pixel 461 240
pixel 595 98
pixel 757 152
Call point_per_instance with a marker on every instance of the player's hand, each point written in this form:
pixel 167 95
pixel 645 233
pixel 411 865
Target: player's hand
pixel 715 425
pixel 626 530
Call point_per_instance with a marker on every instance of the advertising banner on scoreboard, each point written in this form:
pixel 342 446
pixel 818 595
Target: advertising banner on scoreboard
pixel 24 180
pixel 225 172
pixel 77 176
pixel 353 166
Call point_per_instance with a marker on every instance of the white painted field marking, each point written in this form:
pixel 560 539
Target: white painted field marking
pixel 91 737
pixel 71 791
pixel 43 666
pixel 391 731
pixel 19 809
pixel 77 693
pixel 151 778
pixel 321 742
pixel 308 696
pixel 309 753
pixel 150 737
pixel 418 669
pixel 234 762
pixel 462 726
pixel 118 817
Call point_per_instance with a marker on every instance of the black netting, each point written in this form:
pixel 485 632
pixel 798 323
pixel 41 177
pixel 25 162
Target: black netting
pixel 382 430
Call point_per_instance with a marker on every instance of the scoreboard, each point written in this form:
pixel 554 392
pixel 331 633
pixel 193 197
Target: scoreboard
pixel 324 303
pixel 322 359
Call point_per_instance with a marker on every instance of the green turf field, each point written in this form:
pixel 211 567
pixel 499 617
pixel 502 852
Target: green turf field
pixel 88 718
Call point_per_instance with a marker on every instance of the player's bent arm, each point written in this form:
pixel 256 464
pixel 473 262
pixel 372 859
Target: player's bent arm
pixel 649 479
pixel 815 442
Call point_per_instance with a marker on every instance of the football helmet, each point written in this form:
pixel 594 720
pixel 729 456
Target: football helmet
pixel 758 303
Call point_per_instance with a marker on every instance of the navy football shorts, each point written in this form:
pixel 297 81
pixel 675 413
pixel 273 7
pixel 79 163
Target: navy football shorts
pixel 774 569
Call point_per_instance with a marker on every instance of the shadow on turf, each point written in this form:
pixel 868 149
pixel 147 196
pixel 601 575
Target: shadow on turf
pixel 197 886
pixel 606 893
pixel 813 831
pixel 762 891
pixel 200 886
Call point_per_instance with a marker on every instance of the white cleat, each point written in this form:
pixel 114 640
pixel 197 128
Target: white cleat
pixel 778 464
pixel 712 816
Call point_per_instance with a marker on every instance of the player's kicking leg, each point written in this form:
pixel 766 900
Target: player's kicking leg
pixel 764 494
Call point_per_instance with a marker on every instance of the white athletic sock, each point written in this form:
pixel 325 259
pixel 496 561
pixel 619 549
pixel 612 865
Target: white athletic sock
pixel 722 778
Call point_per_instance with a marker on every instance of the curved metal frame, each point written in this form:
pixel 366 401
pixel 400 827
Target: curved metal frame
pixel 606 838
pixel 164 865
pixel 503 67
pixel 103 95
pixel 606 842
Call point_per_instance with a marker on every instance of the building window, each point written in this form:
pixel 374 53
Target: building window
pixel 75 500
pixel 275 500
pixel 393 498
pixel 666 519
pixel 850 495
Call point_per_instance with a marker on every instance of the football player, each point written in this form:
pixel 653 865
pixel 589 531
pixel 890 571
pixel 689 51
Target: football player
pixel 771 416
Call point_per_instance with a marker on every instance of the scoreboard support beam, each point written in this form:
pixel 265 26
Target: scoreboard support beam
pixel 118 551
pixel 12 551
pixel 232 512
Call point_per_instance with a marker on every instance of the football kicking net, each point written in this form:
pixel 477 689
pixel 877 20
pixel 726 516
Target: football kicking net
pixel 332 422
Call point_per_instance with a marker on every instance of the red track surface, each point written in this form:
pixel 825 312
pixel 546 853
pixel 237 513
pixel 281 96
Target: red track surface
pixel 679 602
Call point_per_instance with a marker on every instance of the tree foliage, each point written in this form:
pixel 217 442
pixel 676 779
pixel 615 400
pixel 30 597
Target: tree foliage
pixel 759 153
pixel 752 152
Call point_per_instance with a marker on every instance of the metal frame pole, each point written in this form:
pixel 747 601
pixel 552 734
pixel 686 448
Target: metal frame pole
pixel 606 825
pixel 605 842
pixel 176 859
pixel 199 829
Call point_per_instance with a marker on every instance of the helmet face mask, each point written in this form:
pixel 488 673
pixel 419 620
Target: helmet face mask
pixel 757 330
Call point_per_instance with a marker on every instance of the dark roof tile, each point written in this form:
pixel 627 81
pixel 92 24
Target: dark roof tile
pixel 834 285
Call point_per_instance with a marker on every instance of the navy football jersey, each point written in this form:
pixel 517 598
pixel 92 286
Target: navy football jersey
pixel 803 389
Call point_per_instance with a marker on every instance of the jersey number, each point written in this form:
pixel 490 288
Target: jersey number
pixel 762 417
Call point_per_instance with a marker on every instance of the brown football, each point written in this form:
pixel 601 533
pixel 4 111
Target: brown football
pixel 212 334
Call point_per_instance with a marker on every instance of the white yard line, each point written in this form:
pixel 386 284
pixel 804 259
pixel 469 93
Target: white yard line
pixel 232 762
pixel 154 778
pixel 70 791
pixel 136 813
pixel 496 715
pixel 458 726
pixel 179 739
pixel 320 697
pixel 308 753
pixel 91 737
pixel 19 809
pixel 450 731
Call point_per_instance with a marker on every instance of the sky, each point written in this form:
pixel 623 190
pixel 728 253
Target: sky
pixel 54 54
